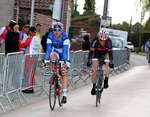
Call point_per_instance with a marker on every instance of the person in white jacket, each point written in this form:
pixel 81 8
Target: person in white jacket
pixel 31 47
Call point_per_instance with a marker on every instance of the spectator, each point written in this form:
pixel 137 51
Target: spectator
pixel 86 43
pixel 12 38
pixel 44 39
pixel 24 33
pixel 38 29
pixel 31 46
pixel 3 32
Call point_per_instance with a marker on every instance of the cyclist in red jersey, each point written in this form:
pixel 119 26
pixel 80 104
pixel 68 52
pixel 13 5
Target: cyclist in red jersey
pixel 101 45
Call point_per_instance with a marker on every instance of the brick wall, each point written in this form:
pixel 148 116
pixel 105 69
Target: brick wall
pixel 44 20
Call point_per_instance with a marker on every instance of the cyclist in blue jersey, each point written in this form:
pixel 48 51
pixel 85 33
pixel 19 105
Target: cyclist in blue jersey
pixel 58 48
pixel 147 48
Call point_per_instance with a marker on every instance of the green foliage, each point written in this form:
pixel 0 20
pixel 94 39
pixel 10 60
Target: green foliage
pixel 145 4
pixel 124 26
pixel 147 26
pixel 89 7
pixel 74 14
pixel 94 21
pixel 89 13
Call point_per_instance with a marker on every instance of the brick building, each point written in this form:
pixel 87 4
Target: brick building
pixel 83 25
pixel 43 12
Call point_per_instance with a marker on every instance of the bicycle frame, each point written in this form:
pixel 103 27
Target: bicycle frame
pixel 99 81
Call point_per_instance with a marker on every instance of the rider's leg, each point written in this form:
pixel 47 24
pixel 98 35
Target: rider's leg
pixel 55 56
pixel 107 71
pixel 94 67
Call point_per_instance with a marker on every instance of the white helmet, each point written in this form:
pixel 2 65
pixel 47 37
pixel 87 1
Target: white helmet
pixel 58 25
pixel 103 35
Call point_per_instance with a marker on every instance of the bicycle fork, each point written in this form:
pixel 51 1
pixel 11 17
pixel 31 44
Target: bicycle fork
pixel 59 90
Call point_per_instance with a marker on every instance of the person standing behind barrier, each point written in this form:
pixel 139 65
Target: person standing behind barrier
pixel 12 38
pixel 3 32
pixel 58 48
pixel 38 29
pixel 24 33
pixel 44 39
pixel 86 43
pixel 31 47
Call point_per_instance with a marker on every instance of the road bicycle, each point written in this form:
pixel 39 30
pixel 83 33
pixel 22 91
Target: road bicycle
pixel 55 84
pixel 100 80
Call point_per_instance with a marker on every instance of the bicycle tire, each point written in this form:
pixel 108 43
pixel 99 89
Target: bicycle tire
pixel 60 96
pixel 149 60
pixel 52 92
pixel 99 87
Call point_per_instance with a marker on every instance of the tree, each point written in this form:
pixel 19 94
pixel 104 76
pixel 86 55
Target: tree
pixel 124 26
pixel 89 7
pixel 74 12
pixel 147 26
pixel 145 4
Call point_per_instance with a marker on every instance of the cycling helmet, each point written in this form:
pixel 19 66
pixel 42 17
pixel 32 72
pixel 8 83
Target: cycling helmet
pixel 103 35
pixel 58 25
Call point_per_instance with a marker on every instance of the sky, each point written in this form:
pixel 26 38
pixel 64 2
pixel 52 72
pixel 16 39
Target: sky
pixel 119 10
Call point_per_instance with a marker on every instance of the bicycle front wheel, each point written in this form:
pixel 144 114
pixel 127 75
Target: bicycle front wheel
pixel 60 92
pixel 52 92
pixel 99 87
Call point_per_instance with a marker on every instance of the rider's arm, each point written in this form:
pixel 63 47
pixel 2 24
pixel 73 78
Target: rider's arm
pixel 66 50
pixel 110 51
pixel 92 49
pixel 146 46
pixel 48 48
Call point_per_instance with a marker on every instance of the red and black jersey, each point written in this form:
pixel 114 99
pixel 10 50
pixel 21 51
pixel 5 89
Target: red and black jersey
pixel 96 46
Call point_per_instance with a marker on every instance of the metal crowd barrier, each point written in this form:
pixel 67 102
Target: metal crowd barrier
pixel 2 97
pixel 19 72
pixel 29 81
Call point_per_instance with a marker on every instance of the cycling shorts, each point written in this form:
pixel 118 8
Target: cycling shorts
pixel 98 54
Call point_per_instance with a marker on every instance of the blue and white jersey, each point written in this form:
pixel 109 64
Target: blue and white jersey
pixel 147 45
pixel 60 46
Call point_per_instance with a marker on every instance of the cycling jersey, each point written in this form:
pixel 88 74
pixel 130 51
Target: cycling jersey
pixel 96 49
pixel 60 46
pixel 147 45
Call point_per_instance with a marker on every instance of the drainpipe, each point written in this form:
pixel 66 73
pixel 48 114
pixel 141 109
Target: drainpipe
pixel 32 12
pixel 62 12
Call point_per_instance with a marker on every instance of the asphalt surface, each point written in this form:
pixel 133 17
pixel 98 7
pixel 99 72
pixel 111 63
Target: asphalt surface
pixel 127 96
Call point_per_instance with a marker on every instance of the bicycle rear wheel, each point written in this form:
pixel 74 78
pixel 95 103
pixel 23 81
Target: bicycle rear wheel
pixel 99 87
pixel 52 92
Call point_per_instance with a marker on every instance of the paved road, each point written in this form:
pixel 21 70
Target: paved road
pixel 127 96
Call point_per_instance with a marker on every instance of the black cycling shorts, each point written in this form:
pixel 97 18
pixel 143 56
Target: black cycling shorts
pixel 98 54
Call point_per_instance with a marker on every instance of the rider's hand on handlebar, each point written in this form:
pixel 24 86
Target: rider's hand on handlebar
pixel 111 65
pixel 89 64
pixel 43 64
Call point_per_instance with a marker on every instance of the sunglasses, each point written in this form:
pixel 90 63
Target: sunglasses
pixel 57 29
pixel 26 27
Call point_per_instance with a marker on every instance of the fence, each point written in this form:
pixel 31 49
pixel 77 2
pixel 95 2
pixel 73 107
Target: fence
pixel 17 73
